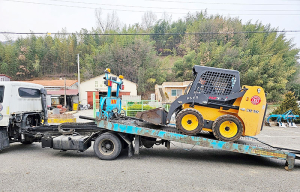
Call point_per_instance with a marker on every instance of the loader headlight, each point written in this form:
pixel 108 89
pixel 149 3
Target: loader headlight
pixel 258 90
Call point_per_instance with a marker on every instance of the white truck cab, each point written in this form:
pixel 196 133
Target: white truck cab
pixel 22 105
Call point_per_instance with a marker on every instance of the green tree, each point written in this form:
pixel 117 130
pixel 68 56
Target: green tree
pixel 289 103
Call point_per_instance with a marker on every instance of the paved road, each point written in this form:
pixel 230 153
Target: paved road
pixel 31 168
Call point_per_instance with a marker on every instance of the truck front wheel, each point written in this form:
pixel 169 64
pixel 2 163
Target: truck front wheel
pixel 107 146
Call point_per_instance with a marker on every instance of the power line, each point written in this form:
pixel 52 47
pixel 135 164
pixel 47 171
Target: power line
pixel 154 34
pixel 73 6
pixel 132 6
pixel 219 3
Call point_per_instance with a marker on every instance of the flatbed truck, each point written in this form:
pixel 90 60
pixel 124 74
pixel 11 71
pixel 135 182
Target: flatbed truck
pixel 110 131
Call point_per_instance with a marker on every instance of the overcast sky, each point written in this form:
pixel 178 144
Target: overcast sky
pixel 53 15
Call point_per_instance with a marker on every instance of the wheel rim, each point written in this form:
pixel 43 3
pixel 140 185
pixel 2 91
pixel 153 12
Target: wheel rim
pixel 189 122
pixel 106 147
pixel 228 129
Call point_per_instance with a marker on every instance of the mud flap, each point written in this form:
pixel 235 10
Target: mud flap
pixel 290 162
pixel 4 141
pixel 156 116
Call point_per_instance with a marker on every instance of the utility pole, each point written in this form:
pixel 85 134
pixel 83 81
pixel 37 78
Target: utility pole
pixel 65 94
pixel 78 79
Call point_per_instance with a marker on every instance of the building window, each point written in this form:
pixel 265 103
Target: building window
pixel 176 92
pixel 96 83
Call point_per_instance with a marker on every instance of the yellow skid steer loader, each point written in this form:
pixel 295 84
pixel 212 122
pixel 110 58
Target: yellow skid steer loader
pixel 215 102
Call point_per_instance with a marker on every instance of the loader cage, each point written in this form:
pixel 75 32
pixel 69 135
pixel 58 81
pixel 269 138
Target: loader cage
pixel 214 81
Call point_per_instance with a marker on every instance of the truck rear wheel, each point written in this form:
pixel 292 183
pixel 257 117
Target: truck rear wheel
pixel 227 128
pixel 189 121
pixel 107 146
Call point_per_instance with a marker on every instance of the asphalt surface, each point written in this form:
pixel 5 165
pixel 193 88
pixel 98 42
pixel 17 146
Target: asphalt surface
pixel 182 168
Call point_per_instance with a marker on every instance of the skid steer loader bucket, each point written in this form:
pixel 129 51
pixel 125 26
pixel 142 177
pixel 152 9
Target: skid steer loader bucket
pixel 156 116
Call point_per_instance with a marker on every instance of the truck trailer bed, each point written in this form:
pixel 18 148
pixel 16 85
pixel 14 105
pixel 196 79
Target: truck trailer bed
pixel 163 133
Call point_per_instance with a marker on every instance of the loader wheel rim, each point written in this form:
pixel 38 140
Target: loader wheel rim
pixel 228 129
pixel 106 147
pixel 189 122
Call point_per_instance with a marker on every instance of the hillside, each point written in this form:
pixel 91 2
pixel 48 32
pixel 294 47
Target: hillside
pixel 168 53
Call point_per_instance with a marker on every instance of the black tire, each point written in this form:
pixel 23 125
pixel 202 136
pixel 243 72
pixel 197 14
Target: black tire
pixel 107 146
pixel 26 142
pixel 227 131
pixel 189 126
pixel 148 142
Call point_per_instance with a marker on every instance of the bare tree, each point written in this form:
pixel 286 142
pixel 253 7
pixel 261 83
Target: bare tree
pixel 148 20
pixel 8 37
pixel 111 22
pixel 166 17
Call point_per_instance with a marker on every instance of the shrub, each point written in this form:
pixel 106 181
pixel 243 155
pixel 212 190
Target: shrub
pixel 133 109
pixel 289 102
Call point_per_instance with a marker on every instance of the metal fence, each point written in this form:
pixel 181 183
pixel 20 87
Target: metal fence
pixel 132 107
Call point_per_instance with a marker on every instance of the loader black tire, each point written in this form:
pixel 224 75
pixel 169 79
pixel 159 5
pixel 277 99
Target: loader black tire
pixel 189 121
pixel 227 128
pixel 107 146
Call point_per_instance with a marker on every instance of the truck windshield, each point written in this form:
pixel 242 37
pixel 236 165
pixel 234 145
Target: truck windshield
pixel 1 93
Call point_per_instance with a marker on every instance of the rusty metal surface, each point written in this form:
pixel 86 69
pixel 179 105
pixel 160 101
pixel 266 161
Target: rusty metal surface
pixel 156 116
pixel 201 141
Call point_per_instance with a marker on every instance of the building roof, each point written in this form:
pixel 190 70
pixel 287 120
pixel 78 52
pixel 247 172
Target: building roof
pixel 5 75
pixel 176 84
pixel 53 83
pixel 62 92
pixel 109 75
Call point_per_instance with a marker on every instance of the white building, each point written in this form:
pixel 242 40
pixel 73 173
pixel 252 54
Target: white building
pixel 4 77
pixel 96 84
pixel 56 90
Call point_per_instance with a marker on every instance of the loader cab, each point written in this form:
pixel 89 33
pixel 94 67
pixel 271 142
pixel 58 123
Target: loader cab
pixel 215 82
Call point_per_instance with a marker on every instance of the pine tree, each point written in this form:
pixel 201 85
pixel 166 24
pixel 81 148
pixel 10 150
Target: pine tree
pixel 289 102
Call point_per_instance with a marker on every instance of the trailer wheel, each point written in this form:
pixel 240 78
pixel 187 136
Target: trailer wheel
pixel 26 142
pixel 189 121
pixel 227 128
pixel 107 146
pixel 148 142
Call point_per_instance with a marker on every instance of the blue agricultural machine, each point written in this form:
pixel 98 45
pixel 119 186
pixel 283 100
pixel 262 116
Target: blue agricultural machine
pixel 288 116
pixel 111 106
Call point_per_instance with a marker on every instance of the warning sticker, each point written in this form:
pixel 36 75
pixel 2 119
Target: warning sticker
pixel 255 100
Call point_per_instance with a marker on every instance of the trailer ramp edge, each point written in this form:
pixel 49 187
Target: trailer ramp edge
pixel 200 141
